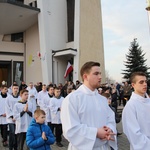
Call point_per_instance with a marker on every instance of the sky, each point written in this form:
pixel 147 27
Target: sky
pixel 123 20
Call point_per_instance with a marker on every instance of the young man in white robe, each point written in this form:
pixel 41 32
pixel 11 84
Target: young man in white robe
pixel 3 122
pixel 55 108
pixel 11 100
pixel 32 95
pixel 23 112
pixel 87 120
pixel 136 114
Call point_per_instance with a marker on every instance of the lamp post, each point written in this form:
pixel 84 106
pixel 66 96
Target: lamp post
pixel 148 5
pixel 148 11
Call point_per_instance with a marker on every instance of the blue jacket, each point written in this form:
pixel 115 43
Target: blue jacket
pixel 34 136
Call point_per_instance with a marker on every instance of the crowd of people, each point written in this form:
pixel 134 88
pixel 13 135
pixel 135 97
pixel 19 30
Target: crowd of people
pixel 17 107
pixel 36 116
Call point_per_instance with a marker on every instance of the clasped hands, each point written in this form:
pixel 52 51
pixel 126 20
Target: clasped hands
pixel 44 136
pixel 105 133
pixel 26 107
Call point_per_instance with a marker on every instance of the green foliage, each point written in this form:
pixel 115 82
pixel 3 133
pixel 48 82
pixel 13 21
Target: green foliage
pixel 135 61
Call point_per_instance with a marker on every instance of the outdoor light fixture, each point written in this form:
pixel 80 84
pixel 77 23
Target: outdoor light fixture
pixel 148 5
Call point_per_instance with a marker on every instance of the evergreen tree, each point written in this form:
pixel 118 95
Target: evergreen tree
pixel 135 61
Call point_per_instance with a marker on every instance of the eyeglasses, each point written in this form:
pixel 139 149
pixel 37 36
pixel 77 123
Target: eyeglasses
pixel 109 98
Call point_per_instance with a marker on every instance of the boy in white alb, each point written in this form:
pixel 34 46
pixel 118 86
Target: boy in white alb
pixel 55 108
pixel 3 122
pixel 45 105
pixel 23 112
pixel 11 100
pixel 41 95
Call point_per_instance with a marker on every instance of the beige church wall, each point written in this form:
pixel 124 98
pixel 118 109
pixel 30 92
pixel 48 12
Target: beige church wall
pixel 12 47
pixel 91 34
pixel 6 37
pixel 33 61
pixel 11 58
pixel 1 37
pixel 9 48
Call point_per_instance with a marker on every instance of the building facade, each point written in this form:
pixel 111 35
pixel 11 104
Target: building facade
pixel 39 37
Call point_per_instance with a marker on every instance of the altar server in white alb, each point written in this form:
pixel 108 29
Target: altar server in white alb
pixel 41 95
pixel 46 104
pixel 87 120
pixel 11 100
pixel 136 114
pixel 32 94
pixel 55 108
pixel 23 112
pixel 3 122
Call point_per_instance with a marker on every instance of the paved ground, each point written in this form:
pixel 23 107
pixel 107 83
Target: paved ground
pixel 123 143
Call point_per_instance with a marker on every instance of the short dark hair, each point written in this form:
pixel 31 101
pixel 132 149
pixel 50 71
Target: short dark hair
pixel 87 67
pixel 3 86
pixel 134 74
pixel 23 91
pixel 50 86
pixel 57 88
pixel 15 85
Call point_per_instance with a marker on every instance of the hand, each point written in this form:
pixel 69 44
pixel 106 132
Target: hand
pixel 105 133
pixel 4 115
pixel 44 136
pixel 26 107
pixel 110 134
pixel 13 120
pixel 101 133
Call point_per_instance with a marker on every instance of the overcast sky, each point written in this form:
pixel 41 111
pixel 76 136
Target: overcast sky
pixel 123 20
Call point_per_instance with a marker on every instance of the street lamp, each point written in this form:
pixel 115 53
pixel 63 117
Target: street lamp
pixel 148 11
pixel 148 5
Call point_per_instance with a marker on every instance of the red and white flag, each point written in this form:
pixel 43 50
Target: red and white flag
pixel 68 69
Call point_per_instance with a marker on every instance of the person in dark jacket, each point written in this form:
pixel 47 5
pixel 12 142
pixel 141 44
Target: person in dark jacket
pixel 22 86
pixel 114 98
pixel 39 136
pixel 109 98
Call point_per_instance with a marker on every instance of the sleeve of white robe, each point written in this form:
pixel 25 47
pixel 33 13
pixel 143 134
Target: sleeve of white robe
pixel 44 104
pixel 85 136
pixel 35 93
pixel 9 112
pixel 1 112
pixel 53 107
pixel 112 125
pixel 16 112
pixel 131 128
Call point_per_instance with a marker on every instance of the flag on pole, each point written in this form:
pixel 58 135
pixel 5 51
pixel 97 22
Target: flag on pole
pixel 68 69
